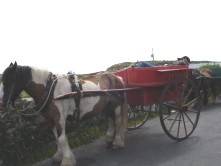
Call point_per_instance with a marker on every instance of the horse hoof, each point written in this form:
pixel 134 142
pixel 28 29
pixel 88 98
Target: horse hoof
pixel 55 161
pixel 68 163
pixel 57 158
pixel 117 147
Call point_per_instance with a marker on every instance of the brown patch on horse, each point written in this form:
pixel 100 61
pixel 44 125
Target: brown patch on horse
pixel 52 114
pixel 106 81
pixel 108 101
pixel 35 90
pixel 106 105
pixel 81 81
pixel 100 106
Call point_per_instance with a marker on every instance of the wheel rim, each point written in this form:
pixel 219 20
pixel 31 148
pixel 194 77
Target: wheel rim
pixel 179 108
pixel 137 116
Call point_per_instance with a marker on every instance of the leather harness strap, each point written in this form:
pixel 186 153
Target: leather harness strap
pixel 48 93
pixel 77 97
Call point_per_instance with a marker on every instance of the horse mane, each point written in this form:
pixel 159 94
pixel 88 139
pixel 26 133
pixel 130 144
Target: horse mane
pixel 24 73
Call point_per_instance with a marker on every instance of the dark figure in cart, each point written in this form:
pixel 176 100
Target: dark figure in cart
pixel 185 60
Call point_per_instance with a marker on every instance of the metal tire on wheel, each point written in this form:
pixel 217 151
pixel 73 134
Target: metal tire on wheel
pixel 179 108
pixel 137 116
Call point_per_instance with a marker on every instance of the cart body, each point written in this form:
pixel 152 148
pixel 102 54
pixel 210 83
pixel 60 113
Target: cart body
pixel 151 81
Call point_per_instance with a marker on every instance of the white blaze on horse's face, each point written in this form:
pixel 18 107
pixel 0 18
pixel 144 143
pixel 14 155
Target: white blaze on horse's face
pixel 88 103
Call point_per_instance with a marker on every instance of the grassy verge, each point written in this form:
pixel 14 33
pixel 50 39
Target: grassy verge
pixel 85 134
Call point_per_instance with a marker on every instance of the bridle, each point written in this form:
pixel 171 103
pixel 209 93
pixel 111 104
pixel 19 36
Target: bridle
pixel 48 95
pixel 9 102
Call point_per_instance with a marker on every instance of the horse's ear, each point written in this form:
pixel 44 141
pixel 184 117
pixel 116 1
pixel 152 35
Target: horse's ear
pixel 13 66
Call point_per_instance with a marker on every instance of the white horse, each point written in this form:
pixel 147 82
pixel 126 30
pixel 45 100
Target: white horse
pixel 43 87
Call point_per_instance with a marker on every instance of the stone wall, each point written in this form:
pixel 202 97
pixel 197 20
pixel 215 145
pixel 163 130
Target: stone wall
pixel 21 134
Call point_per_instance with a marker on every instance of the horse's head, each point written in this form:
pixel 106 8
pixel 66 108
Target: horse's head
pixel 11 85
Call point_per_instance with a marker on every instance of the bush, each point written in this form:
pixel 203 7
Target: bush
pixel 206 66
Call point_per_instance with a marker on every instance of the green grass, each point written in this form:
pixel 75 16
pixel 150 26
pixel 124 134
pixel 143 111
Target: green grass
pixel 24 95
pixel 85 134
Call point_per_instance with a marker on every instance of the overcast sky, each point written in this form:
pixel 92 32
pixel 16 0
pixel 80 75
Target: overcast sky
pixel 91 35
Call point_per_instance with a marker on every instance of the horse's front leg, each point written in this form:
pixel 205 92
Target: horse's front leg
pixel 64 153
pixel 58 155
pixel 68 156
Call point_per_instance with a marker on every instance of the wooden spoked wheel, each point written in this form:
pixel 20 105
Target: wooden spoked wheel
pixel 179 108
pixel 137 116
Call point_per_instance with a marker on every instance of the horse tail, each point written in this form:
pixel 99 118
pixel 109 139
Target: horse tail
pixel 116 82
pixel 124 108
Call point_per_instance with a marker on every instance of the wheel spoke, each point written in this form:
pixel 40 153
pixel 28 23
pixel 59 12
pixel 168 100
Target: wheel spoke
pixel 137 116
pixel 187 96
pixel 179 108
pixel 171 106
pixel 188 118
pixel 173 123
pixel 167 117
pixel 178 129
pixel 184 125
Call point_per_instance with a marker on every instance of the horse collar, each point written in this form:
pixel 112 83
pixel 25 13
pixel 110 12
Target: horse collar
pixel 48 94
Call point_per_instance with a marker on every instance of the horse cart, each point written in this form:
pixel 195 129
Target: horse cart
pixel 174 95
pixel 168 88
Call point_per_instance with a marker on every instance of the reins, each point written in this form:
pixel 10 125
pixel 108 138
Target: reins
pixel 52 81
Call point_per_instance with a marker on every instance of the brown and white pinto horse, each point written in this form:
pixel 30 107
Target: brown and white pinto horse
pixel 39 83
